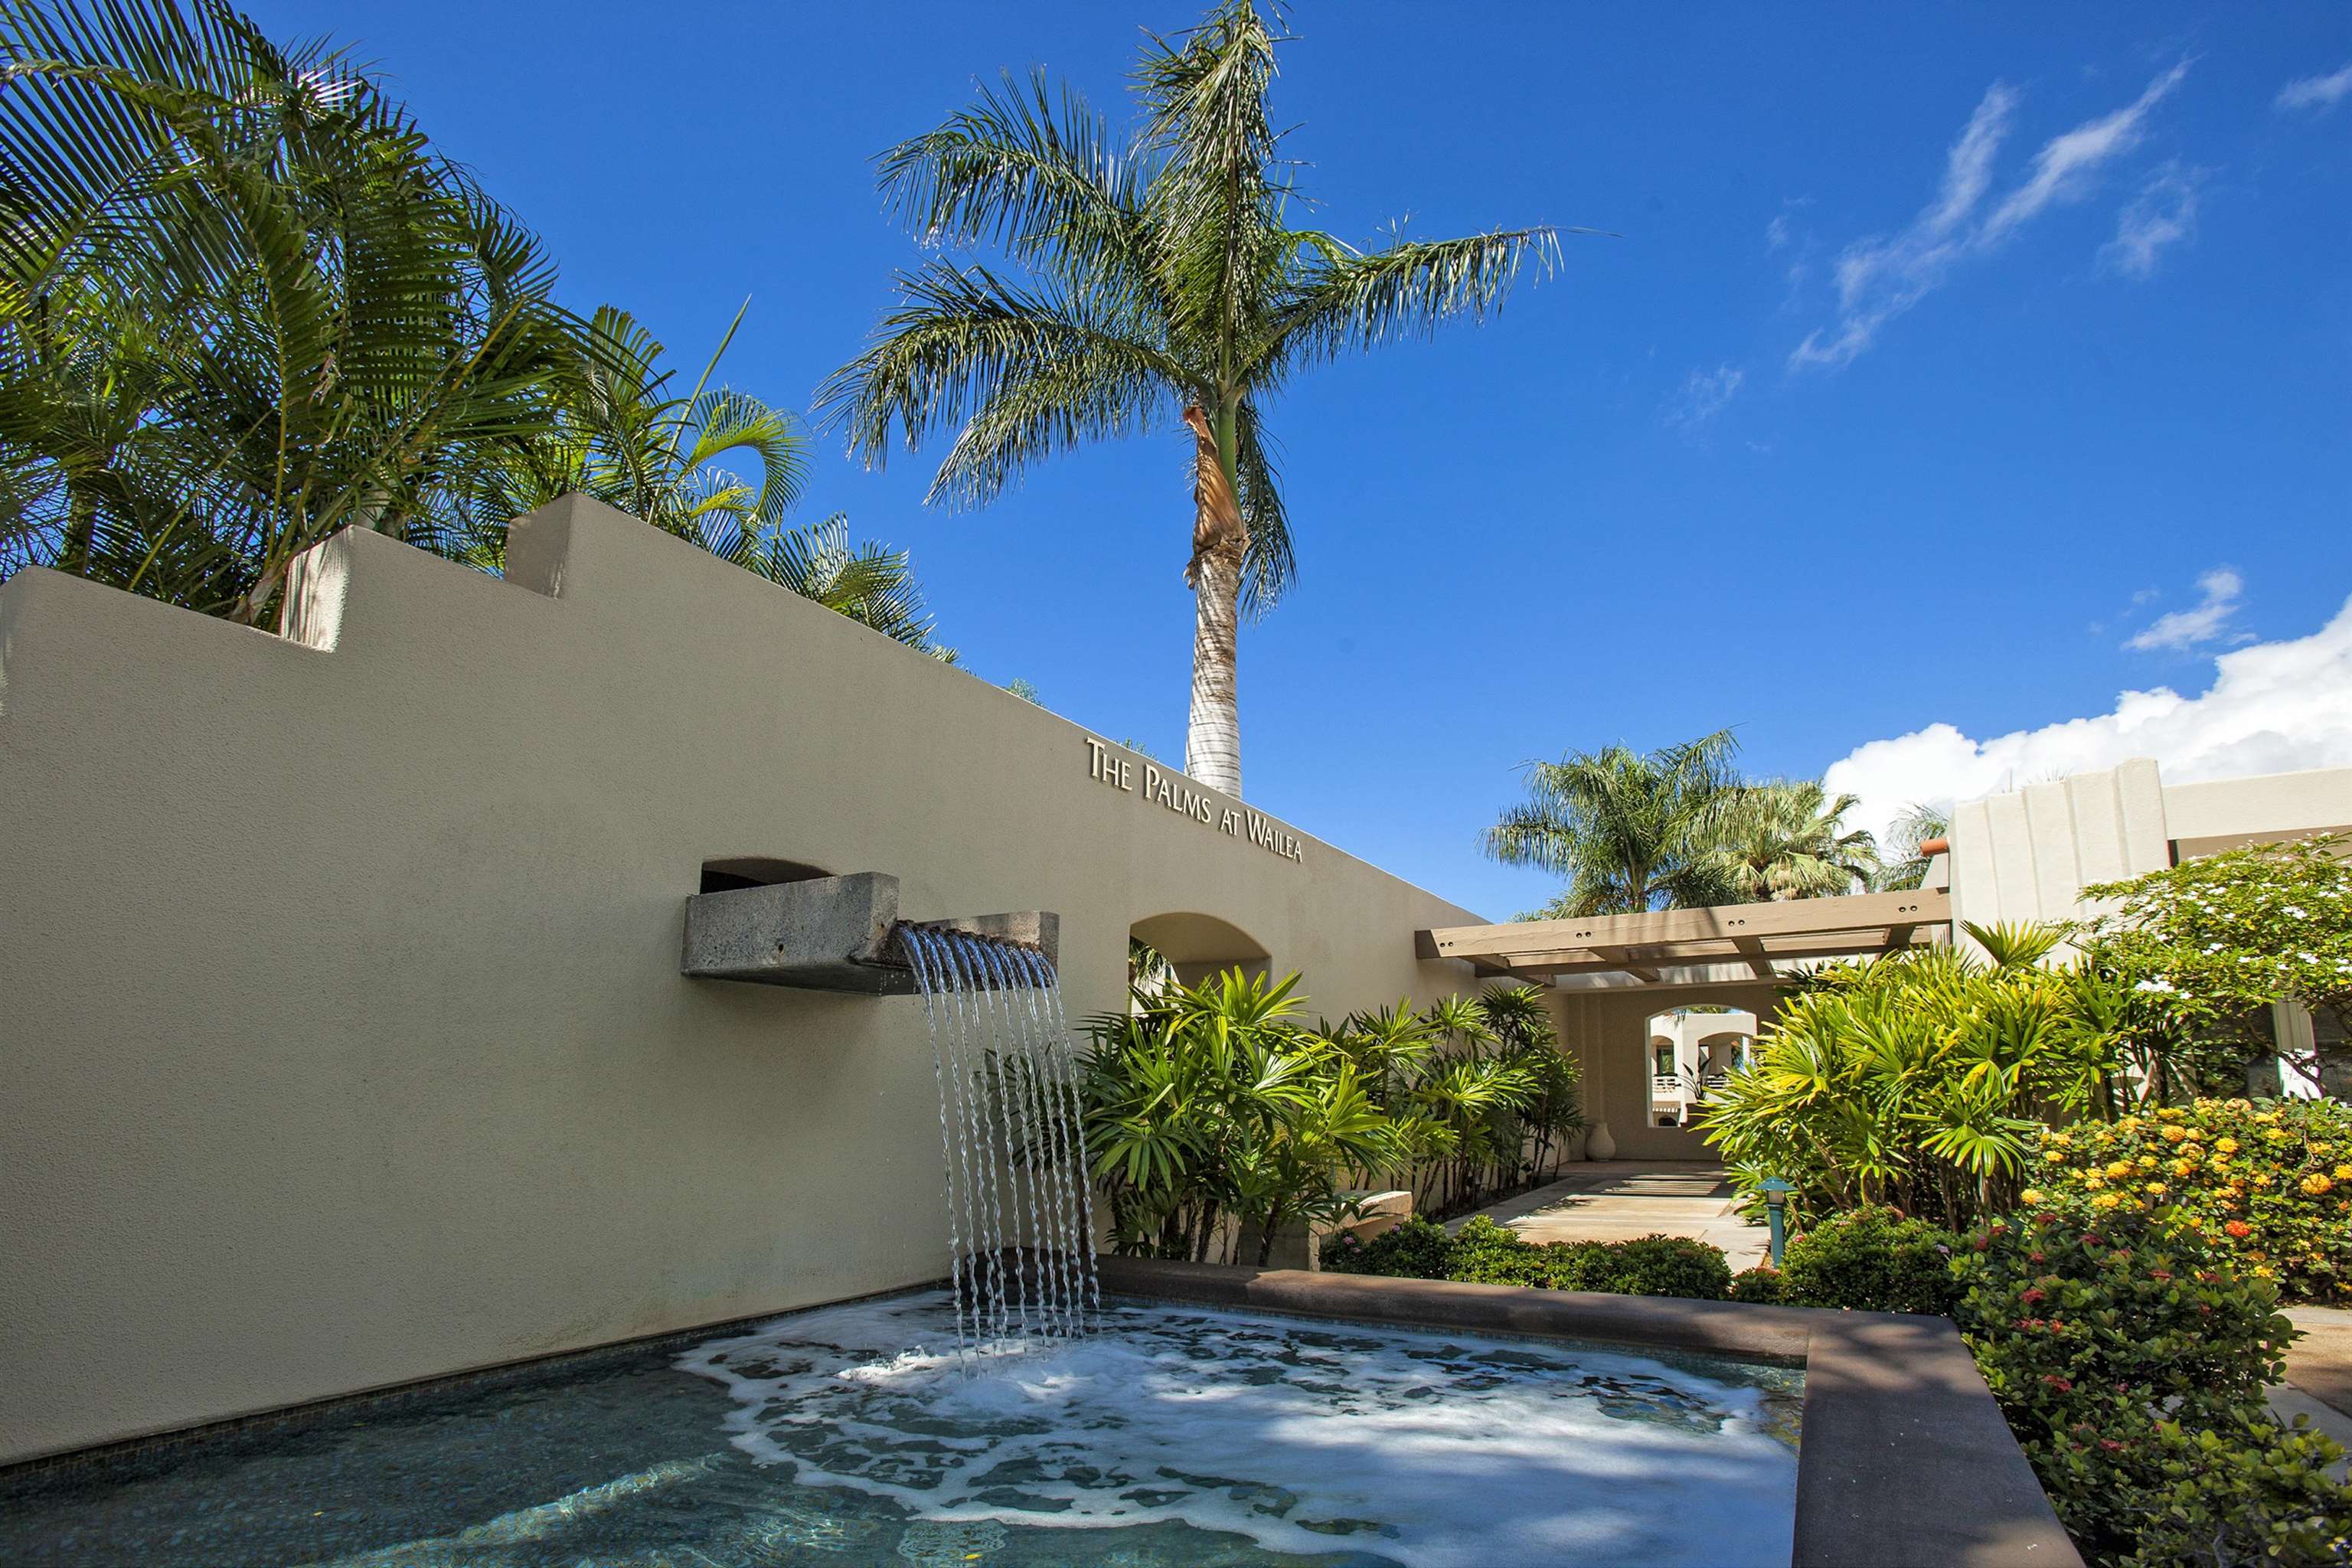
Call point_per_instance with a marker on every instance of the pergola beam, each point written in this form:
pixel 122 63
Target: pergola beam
pixel 1644 945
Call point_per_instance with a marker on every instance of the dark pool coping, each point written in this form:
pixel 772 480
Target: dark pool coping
pixel 1905 1461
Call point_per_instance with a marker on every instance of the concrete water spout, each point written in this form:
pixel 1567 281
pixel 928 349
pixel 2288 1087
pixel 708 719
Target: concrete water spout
pixel 831 933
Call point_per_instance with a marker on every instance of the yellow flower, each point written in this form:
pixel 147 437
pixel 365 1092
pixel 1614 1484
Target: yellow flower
pixel 2120 1169
pixel 2094 1181
pixel 2275 1134
pixel 2171 1134
pixel 2106 1200
pixel 2147 1161
pixel 2158 1187
pixel 2030 1195
pixel 2059 1140
pixel 2170 1113
pixel 2221 1162
pixel 2264 1270
pixel 2183 1167
pixel 2315 1183
pixel 2055 1158
pixel 2344 1173
pixel 2227 1145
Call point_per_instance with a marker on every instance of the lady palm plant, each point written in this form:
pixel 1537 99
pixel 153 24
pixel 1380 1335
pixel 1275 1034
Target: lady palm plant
pixel 1919 1078
pixel 1907 864
pixel 1629 831
pixel 242 304
pixel 1157 282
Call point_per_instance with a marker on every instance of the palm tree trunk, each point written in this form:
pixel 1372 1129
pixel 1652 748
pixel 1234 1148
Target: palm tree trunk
pixel 1212 742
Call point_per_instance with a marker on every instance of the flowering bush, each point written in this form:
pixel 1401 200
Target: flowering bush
pixel 2268 1185
pixel 2212 941
pixel 2256 1494
pixel 1760 1286
pixel 2089 1332
pixel 1871 1260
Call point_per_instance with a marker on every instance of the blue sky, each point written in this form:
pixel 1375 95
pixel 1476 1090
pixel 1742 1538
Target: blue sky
pixel 1946 352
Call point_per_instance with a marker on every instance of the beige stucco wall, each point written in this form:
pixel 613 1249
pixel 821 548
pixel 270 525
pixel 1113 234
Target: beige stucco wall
pixel 344 1039
pixel 1609 1033
pixel 2027 855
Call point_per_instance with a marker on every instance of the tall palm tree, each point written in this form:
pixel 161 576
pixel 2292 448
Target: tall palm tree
pixel 242 304
pixel 1786 838
pixel 1629 831
pixel 1162 282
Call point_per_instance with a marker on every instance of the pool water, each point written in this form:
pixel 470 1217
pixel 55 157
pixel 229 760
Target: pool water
pixel 1174 1435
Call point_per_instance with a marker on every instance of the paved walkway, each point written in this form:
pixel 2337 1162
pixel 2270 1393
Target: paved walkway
pixel 1617 1200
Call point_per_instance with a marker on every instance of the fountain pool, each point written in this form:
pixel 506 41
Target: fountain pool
pixel 1173 1435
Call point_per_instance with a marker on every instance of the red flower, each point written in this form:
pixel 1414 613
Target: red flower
pixel 2239 1228
pixel 2036 1294
pixel 2037 1257
pixel 2058 1383
pixel 2160 1273
pixel 2111 1446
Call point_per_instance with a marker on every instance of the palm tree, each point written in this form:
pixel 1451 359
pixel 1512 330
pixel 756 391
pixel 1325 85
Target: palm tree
pixel 618 434
pixel 871 584
pixel 1785 838
pixel 242 304
pixel 1918 826
pixel 1164 283
pixel 1629 831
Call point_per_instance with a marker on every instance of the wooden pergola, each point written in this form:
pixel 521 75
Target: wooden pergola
pixel 1729 946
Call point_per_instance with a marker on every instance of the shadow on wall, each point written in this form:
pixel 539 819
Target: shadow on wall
pixel 1197 946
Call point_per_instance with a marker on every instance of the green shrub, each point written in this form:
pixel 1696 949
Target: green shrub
pixel 1413 1250
pixel 1655 1265
pixel 1763 1286
pixel 1485 1253
pixel 2268 1184
pixel 2087 1331
pixel 1872 1259
pixel 2256 1495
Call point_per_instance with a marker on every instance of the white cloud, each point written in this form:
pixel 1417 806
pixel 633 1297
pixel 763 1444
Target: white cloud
pixel 1703 395
pixel 2272 708
pixel 2164 213
pixel 1879 278
pixel 2316 92
pixel 1776 233
pixel 2180 630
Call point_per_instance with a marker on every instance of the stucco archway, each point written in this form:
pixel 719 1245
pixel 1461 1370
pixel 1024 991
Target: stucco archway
pixel 1197 945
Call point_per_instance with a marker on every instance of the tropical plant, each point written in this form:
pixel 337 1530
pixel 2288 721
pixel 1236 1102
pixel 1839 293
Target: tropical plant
pixel 1629 831
pixel 1160 281
pixel 243 304
pixel 1476 1089
pixel 1213 1103
pixel 1919 1078
pixel 1786 838
pixel 621 434
pixel 2210 943
pixel 1906 859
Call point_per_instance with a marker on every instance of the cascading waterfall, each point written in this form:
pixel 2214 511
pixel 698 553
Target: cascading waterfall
pixel 1011 1138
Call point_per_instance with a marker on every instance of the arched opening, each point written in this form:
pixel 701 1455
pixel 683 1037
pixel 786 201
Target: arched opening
pixel 726 875
pixel 1197 946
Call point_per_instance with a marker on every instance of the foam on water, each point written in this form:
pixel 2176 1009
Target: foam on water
pixel 1307 1437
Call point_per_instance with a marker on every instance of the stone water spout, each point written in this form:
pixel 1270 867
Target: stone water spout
pixel 836 934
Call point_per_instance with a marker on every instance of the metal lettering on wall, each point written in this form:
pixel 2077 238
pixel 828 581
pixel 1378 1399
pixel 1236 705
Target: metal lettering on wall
pixel 1174 793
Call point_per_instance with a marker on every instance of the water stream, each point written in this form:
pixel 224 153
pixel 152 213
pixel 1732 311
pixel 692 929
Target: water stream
pixel 1020 1213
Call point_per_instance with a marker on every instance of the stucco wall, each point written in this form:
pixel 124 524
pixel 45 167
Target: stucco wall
pixel 1609 1032
pixel 344 1039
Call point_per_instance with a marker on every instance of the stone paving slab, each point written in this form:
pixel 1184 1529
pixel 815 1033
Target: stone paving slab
pixel 1619 1200
pixel 2320 1362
